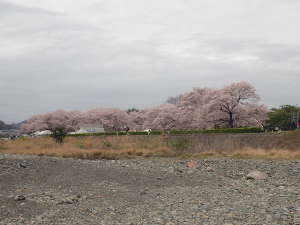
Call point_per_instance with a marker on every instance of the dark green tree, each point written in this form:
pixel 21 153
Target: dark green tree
pixel 59 134
pixel 130 110
pixel 282 117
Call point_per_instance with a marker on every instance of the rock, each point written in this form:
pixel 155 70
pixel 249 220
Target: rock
pixel 78 196
pixel 22 165
pixel 209 169
pixel 192 164
pixel 256 175
pixel 179 170
pixel 65 201
pixel 20 198
pixel 68 200
pixel 143 192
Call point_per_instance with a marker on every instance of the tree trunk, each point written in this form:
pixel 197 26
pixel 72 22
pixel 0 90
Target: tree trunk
pixel 231 121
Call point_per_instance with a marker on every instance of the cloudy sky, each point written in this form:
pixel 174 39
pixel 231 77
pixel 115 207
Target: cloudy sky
pixel 83 54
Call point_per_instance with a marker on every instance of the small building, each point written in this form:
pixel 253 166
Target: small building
pixel 42 133
pixel 89 128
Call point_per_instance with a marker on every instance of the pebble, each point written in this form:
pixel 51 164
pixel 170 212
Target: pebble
pixel 135 196
pixel 20 198
pixel 209 169
pixel 256 175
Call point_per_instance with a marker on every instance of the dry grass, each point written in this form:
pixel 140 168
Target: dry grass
pixel 114 147
pixel 86 147
pixel 250 153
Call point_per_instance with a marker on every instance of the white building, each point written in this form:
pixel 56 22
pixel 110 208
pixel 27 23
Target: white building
pixel 89 128
pixel 42 133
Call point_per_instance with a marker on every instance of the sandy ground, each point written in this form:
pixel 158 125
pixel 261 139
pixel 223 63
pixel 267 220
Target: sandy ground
pixel 45 190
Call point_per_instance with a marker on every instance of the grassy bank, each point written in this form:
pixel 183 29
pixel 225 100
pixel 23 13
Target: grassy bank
pixel 264 146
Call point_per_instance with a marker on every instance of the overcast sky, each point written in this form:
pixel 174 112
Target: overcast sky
pixel 83 54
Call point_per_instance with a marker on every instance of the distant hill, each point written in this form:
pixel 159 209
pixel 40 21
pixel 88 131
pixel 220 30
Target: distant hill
pixel 4 126
pixel 16 126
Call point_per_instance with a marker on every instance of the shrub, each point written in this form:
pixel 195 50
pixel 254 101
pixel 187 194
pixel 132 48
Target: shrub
pixel 59 135
pixel 157 132
pixel 138 133
pixel 179 144
pixel 183 131
pixel 3 148
pixel 235 130
pixel 107 144
pixel 225 130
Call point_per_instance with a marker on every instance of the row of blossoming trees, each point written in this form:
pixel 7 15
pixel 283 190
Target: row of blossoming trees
pixel 235 105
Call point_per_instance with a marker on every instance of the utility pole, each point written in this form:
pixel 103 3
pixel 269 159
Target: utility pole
pixel 295 118
pixel 298 120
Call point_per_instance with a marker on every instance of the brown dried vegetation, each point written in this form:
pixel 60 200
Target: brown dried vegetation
pixel 285 146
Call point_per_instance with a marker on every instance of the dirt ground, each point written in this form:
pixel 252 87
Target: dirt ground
pixel 48 190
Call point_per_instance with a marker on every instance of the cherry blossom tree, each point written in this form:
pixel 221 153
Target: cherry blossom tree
pixel 253 115
pixel 67 120
pixel 195 108
pixel 233 101
pixel 137 119
pixel 163 117
pixel 111 119
pixel 235 105
pixel 58 122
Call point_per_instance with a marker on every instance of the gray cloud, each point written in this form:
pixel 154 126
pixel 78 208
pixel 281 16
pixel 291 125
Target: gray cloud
pixel 11 8
pixel 100 53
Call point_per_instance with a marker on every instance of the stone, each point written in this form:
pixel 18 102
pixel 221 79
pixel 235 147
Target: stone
pixel 209 169
pixel 192 164
pixel 20 198
pixel 143 192
pixel 179 171
pixel 256 175
pixel 68 200
pixel 22 165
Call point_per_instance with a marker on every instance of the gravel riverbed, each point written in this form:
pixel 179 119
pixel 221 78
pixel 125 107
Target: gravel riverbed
pixel 48 190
